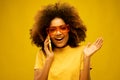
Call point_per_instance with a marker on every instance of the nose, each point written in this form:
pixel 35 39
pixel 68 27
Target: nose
pixel 58 32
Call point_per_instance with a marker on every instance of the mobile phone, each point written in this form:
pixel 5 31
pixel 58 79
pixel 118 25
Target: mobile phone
pixel 49 45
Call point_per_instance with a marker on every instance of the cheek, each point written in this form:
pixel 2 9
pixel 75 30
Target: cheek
pixel 66 34
pixel 67 37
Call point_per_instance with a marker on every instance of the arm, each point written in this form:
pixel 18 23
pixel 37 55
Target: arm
pixel 89 50
pixel 42 74
pixel 85 73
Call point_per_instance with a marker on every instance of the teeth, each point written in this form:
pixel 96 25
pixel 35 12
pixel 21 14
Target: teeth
pixel 59 38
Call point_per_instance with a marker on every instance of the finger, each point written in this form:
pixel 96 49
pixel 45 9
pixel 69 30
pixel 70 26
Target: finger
pixel 46 47
pixel 98 41
pixel 46 40
pixel 88 45
pixel 100 44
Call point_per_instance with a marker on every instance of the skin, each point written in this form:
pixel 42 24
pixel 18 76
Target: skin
pixel 89 50
pixel 59 35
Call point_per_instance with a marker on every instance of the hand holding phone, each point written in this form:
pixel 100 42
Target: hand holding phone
pixel 49 45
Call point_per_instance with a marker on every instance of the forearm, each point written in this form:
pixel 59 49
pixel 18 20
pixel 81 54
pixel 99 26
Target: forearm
pixel 85 73
pixel 43 74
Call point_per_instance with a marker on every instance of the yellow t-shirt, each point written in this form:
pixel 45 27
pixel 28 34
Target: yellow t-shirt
pixel 66 65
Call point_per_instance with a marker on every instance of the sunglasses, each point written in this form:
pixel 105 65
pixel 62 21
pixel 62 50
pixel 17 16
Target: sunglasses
pixel 62 29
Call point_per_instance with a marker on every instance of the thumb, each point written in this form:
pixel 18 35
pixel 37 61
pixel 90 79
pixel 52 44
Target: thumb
pixel 88 45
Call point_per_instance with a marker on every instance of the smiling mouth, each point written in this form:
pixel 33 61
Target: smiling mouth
pixel 59 39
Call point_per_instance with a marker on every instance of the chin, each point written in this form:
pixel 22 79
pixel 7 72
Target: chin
pixel 60 45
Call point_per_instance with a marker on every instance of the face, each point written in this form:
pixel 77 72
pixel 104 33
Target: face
pixel 58 32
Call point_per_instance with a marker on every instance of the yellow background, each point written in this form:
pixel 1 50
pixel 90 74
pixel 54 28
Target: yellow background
pixel 17 55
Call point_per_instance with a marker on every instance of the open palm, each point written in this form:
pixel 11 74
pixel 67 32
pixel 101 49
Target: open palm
pixel 90 49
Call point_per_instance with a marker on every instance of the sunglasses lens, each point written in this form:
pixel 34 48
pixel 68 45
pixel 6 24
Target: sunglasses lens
pixel 62 29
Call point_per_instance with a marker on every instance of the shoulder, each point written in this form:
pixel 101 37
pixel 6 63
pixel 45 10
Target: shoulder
pixel 79 47
pixel 79 50
pixel 40 53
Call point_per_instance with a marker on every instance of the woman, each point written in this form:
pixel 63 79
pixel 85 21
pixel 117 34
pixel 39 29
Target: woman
pixel 60 26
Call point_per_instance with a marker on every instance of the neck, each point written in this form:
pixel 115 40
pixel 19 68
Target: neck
pixel 61 48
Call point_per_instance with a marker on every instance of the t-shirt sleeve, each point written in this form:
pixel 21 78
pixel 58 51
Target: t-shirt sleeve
pixel 39 60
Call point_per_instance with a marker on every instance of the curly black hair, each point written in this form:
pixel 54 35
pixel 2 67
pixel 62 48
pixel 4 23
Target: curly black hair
pixel 61 10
